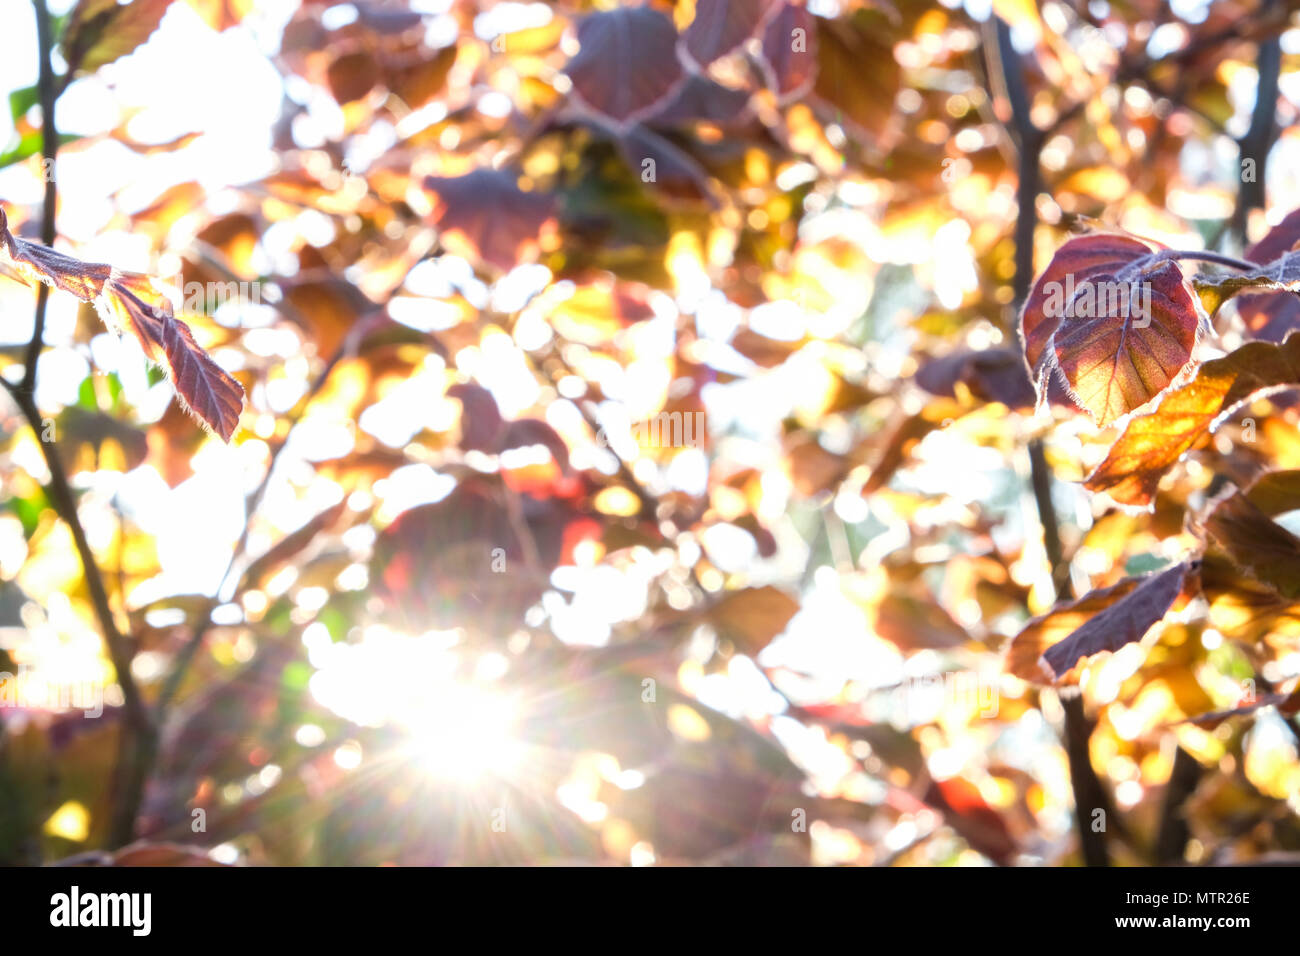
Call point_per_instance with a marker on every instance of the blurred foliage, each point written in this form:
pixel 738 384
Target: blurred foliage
pixel 635 459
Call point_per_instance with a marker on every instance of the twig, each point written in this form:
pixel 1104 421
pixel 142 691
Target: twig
pixel 1255 145
pixel 185 656
pixel 49 149
pixel 1206 256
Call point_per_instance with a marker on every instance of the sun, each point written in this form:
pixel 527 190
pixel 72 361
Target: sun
pixel 457 727
pixel 465 733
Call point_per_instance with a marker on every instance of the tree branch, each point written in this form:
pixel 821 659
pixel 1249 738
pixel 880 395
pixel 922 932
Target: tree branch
pixel 1007 78
pixel 49 150
pixel 138 735
pixel 1257 142
pixel 1172 836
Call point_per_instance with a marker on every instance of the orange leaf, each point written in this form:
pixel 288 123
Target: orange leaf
pixel 1115 317
pixel 1153 443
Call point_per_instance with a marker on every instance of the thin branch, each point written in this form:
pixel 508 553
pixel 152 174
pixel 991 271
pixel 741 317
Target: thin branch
pixel 1207 256
pixel 185 656
pixel 1005 72
pixel 1257 142
pixel 139 737
pixel 49 150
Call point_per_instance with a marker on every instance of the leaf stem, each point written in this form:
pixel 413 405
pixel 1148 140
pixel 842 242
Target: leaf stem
pixel 1207 256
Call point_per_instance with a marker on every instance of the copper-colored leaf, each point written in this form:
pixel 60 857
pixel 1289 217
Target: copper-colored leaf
pixel 101 31
pixel 993 375
pixel 1243 607
pixel 914 622
pixel 129 302
pixel 626 66
pixel 1258 545
pixel 1276 492
pixel 1123 622
pixel 481 424
pixel 790 52
pixel 966 811
pixel 470 556
pixel 1025 652
pixel 1115 317
pixel 754 616
pixel 352 75
pixel 1152 443
pixel 699 98
pixel 485 215
pixel 721 26
pixel 856 72
pixel 417 81
pixel 657 161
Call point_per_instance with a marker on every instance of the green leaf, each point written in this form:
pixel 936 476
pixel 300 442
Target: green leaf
pixel 20 101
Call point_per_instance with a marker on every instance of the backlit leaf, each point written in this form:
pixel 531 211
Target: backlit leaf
pixel 721 26
pixel 1153 443
pixel 790 52
pixel 1258 545
pixel 1123 622
pixel 1024 656
pixel 626 65
pixel 753 617
pixel 486 216
pixel 1117 319
pixel 101 31
pixel 129 302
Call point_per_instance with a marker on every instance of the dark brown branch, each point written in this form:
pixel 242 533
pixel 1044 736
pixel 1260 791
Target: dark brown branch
pixel 1257 142
pixel 49 150
pixel 138 736
pixel 1007 78
pixel 1172 837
